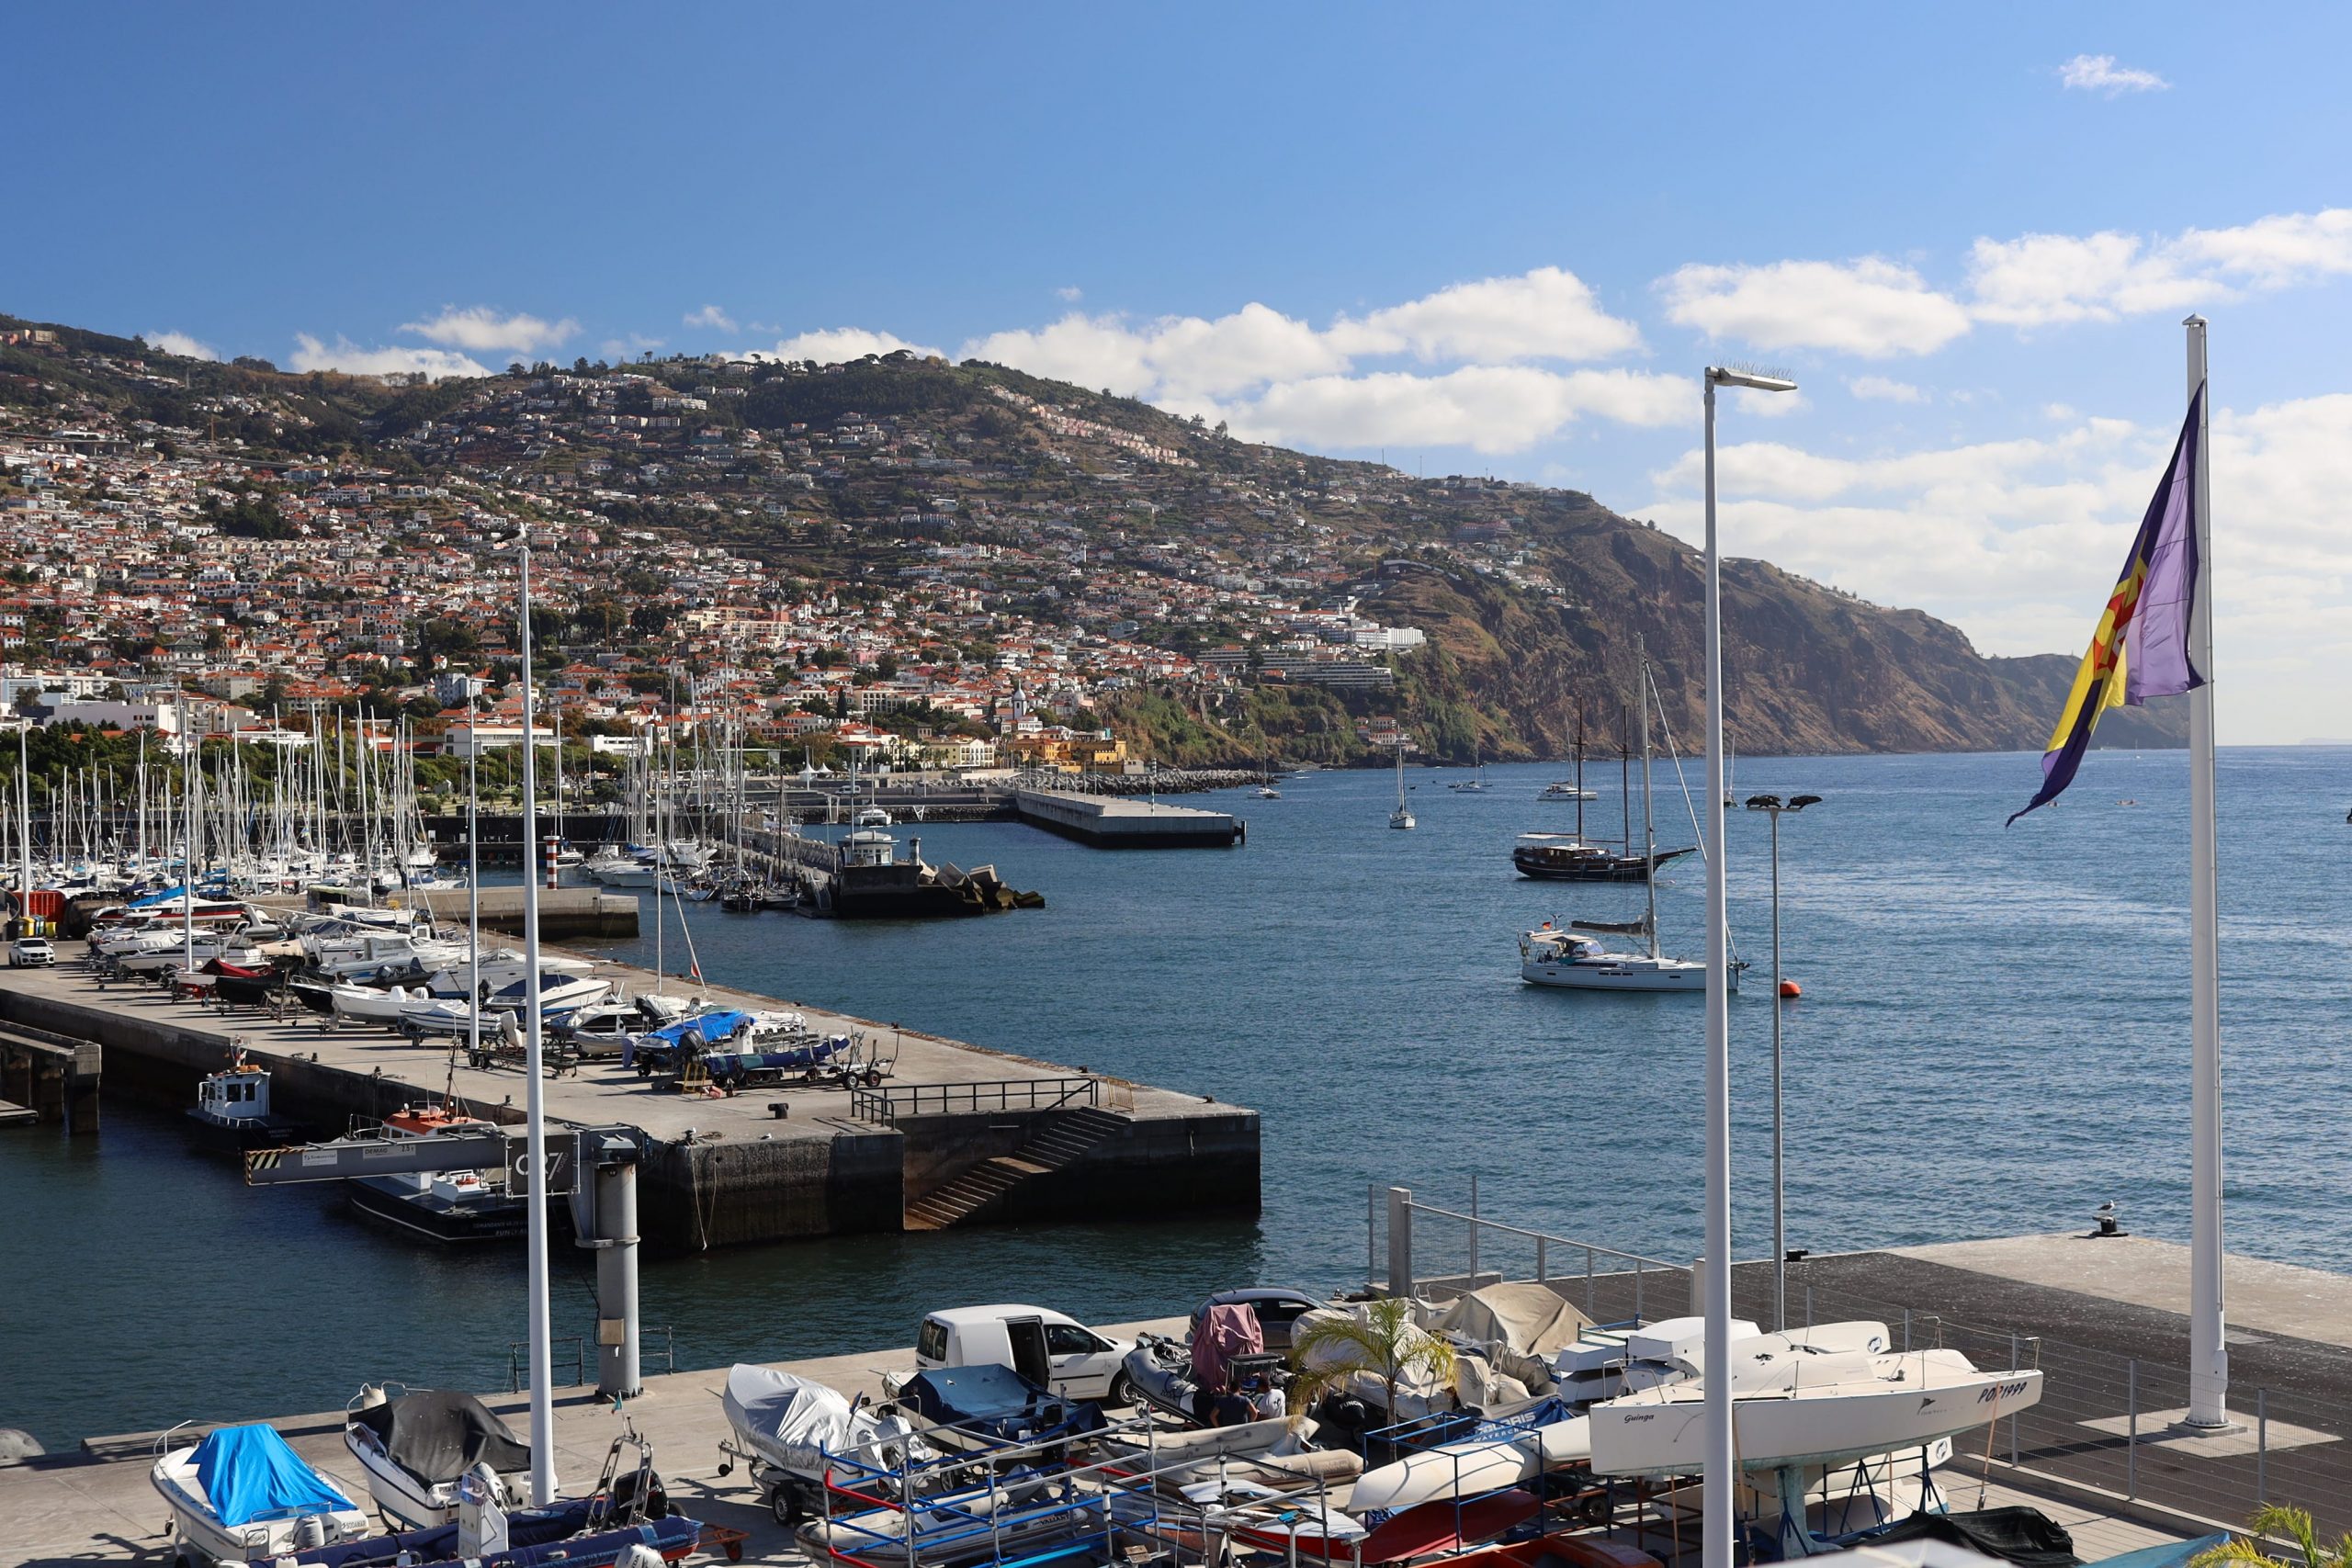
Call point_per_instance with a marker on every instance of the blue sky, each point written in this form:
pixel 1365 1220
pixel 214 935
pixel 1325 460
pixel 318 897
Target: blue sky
pixel 1500 239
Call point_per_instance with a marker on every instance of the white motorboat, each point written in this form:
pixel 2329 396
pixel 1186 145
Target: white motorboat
pixel 416 1447
pixel 1577 961
pixel 242 1494
pixel 559 991
pixel 1565 789
pixel 367 1004
pixel 1797 1404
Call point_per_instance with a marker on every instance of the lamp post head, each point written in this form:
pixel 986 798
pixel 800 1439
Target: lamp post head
pixel 1799 802
pixel 1757 380
pixel 1764 803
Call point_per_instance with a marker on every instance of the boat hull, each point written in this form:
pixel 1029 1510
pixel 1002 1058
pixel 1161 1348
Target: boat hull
pixel 1665 1433
pixel 384 1198
pixel 1679 979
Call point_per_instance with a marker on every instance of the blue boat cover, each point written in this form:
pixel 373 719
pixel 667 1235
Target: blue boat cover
pixel 999 1402
pixel 714 1026
pixel 148 900
pixel 250 1474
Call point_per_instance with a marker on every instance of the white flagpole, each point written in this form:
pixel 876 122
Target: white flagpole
pixel 2208 1357
pixel 534 1109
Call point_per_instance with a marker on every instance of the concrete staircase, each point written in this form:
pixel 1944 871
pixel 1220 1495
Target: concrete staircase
pixel 1061 1142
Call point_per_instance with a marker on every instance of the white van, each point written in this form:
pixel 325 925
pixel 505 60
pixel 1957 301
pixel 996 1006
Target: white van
pixel 1048 1348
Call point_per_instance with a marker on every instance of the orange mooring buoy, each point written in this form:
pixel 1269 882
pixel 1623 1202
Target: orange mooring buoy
pixel 1789 989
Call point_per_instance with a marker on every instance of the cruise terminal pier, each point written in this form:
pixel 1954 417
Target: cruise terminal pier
pixel 954 1134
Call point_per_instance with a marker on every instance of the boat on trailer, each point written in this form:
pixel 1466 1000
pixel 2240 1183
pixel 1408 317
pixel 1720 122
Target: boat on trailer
pixel 418 1446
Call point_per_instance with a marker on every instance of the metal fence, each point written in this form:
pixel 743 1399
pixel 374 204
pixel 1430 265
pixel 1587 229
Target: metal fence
pixel 518 1352
pixel 887 1104
pixel 1428 1249
pixel 2104 1422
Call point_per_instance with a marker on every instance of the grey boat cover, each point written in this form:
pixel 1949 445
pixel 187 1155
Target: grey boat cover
pixel 793 1422
pixel 437 1435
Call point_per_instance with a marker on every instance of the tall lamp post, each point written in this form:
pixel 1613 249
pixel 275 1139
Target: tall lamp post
pixel 1775 804
pixel 1719 1481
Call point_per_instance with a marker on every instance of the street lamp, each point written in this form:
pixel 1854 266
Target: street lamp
pixel 1775 804
pixel 1719 1481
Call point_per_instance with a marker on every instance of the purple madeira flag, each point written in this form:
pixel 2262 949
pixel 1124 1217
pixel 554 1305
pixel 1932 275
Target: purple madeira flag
pixel 2140 649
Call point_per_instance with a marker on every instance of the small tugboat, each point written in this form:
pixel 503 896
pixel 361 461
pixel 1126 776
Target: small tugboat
pixel 441 1206
pixel 232 1110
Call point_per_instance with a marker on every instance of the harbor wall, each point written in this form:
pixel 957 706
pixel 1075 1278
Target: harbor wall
pixel 728 1190
pixel 1151 1166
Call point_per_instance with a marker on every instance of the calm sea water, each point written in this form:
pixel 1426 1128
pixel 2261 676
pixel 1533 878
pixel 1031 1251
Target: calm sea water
pixel 1993 1040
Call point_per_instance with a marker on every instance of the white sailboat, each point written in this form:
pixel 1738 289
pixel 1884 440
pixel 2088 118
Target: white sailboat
pixel 1578 960
pixel 1400 818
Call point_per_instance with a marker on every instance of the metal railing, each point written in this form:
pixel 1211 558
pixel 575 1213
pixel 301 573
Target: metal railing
pixel 885 1104
pixel 518 1355
pixel 1616 1283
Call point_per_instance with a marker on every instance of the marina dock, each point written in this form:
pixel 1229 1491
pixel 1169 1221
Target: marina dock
pixel 97 1502
pixel 1123 822
pixel 957 1134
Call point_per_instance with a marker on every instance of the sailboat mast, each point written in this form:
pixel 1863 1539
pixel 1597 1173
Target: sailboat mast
pixel 1649 828
pixel 1580 769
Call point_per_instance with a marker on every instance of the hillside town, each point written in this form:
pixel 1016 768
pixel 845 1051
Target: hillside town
pixel 156 567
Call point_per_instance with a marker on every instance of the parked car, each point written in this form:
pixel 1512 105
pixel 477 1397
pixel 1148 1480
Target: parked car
pixel 1274 1307
pixel 1050 1349
pixel 31 953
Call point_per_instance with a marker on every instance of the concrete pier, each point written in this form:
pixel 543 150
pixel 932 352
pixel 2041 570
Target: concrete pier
pixel 1122 822
pixel 963 1132
pixel 58 1076
pixel 98 1505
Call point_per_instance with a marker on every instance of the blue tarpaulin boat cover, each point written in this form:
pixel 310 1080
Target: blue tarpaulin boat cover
pixel 713 1026
pixel 151 899
pixel 249 1473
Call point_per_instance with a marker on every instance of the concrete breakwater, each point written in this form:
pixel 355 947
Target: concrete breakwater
pixel 955 1133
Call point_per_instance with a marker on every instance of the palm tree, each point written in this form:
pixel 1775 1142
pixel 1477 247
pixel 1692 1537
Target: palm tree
pixel 1385 1342
pixel 2280 1521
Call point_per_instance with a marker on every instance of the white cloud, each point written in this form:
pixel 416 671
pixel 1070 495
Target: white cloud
pixel 310 354
pixel 1881 389
pixel 620 348
pixel 1868 307
pixel 2276 252
pixel 1180 359
pixel 1069 294
pixel 1753 403
pixel 836 346
pixel 1492 409
pixel 478 329
pixel 1548 313
pixel 1280 378
pixel 182 345
pixel 2018 540
pixel 2101 73
pixel 2043 280
pixel 712 317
